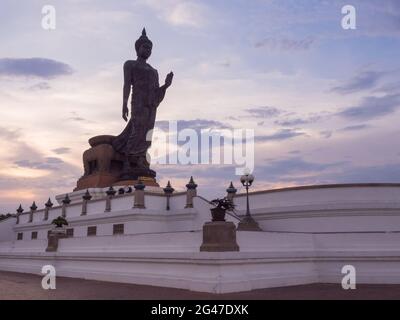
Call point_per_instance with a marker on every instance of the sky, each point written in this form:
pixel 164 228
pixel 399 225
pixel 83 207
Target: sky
pixel 323 101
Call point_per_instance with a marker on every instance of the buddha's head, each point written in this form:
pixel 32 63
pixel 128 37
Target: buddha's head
pixel 143 46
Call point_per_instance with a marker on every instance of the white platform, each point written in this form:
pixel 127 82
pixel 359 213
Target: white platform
pixel 309 235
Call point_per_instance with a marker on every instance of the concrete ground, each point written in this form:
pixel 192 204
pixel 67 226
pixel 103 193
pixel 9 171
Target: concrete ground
pixel 17 286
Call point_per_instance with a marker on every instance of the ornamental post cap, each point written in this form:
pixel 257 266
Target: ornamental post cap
pixel 231 188
pixel 66 200
pixel 191 184
pixel 20 210
pixel 111 191
pixel 87 196
pixel 168 189
pixel 48 204
pixel 33 206
pixel 139 185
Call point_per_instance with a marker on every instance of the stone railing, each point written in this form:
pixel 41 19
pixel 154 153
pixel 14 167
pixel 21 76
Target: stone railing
pixel 136 198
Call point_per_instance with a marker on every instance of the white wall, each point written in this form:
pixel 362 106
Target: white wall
pixel 312 233
pixel 359 208
pixel 266 259
pixel 6 231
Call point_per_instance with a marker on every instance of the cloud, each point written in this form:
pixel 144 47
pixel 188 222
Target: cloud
pixel 27 175
pixel 381 17
pixel 225 64
pixel 7 134
pixel 61 150
pixel 263 112
pixel 40 86
pixel 179 12
pixel 285 44
pixel 355 127
pixel 276 170
pixel 284 134
pixel 372 107
pixel 33 67
pixel 363 81
pixel 389 88
pixel 197 124
pixel 297 121
pixel 388 173
pixel 326 134
pixel 303 172
pixel 76 117
pixel 186 14
pixel 49 163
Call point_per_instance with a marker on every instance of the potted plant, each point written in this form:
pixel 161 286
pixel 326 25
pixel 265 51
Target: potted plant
pixel 60 222
pixel 221 206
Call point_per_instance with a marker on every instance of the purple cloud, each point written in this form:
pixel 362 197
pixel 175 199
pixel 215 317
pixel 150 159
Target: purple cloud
pixel 363 81
pixel 33 67
pixel 372 107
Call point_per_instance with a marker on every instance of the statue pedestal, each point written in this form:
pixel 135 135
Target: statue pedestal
pixel 104 167
pixel 147 181
pixel 219 236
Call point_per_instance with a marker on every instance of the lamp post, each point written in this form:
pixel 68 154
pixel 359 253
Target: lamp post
pixel 248 223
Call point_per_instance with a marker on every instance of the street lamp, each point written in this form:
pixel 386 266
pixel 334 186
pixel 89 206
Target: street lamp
pixel 248 223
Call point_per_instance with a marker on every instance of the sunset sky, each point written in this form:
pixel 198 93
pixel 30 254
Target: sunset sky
pixel 323 101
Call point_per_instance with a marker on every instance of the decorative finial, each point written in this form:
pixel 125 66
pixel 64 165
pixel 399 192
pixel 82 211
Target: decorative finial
pixel 144 32
pixel 111 191
pixel 20 210
pixel 140 185
pixel 49 204
pixel 66 200
pixel 231 188
pixel 168 189
pixel 191 184
pixel 33 206
pixel 87 196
